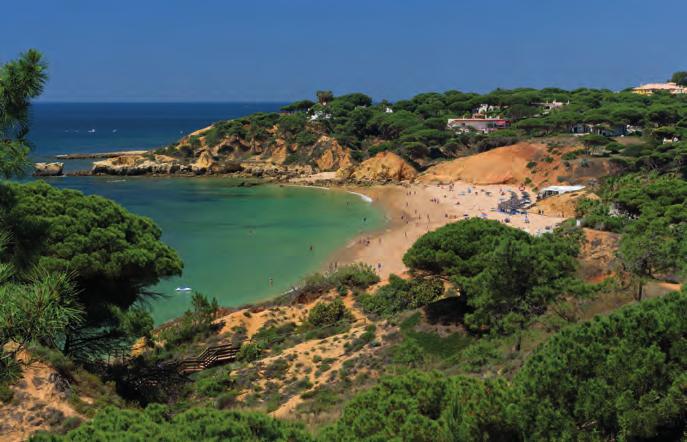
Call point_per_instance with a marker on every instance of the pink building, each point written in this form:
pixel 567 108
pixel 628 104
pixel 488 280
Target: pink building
pixel 479 124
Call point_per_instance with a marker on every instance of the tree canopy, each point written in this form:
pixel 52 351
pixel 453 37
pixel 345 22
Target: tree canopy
pixel 679 77
pixel 157 423
pixel 111 253
pixel 620 376
pixel 503 274
pixel 20 81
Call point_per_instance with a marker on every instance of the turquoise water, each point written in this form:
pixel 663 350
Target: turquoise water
pixel 234 239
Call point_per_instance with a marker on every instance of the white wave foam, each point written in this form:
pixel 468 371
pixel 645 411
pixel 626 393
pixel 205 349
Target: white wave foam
pixel 362 197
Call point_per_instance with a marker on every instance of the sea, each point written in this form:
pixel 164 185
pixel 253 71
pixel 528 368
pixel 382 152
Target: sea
pixel 239 245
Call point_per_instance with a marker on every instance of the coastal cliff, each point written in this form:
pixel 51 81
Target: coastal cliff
pixel 277 158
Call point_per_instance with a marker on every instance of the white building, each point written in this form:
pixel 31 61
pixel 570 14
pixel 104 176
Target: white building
pixel 556 190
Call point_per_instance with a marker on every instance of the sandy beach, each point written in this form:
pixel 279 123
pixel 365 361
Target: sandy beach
pixel 416 209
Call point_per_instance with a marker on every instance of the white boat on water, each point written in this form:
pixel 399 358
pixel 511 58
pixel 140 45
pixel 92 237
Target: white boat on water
pixel 92 131
pixel 183 289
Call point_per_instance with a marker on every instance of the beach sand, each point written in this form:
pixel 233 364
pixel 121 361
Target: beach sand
pixel 416 209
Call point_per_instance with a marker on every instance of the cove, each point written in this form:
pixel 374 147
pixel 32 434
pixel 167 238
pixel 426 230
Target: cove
pixel 234 239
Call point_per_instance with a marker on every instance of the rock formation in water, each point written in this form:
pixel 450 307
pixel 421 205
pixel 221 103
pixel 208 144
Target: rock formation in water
pixel 48 169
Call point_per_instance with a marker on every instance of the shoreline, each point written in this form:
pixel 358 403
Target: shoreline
pixel 412 210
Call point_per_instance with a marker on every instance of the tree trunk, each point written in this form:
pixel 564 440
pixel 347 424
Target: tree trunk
pixel 640 291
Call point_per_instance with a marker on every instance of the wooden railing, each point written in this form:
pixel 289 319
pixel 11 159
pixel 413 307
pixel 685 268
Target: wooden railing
pixel 211 356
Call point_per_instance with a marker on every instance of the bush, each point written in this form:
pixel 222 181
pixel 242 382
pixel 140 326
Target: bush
pixel 317 283
pixel 593 140
pixel 156 424
pixel 354 276
pixel 328 313
pixel 399 295
pixel 225 400
pixel 194 323
pixel 249 352
pixel 408 353
pixel 6 393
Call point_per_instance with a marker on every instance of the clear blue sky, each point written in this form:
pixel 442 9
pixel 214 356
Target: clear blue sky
pixel 259 50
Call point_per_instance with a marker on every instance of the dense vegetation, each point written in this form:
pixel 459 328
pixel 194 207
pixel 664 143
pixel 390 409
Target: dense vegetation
pixel 619 377
pixel 504 275
pixel 417 128
pixel 651 212
pixel 111 253
pixel 156 423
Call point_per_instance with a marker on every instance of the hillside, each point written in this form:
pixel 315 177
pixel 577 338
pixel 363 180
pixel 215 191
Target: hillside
pixel 338 132
pixel 526 163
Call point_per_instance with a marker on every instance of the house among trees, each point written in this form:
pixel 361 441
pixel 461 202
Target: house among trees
pixel 484 125
pixel 604 129
pixel 553 105
pixel 649 89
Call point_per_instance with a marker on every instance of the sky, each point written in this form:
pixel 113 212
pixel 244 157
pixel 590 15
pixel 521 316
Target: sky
pixel 281 50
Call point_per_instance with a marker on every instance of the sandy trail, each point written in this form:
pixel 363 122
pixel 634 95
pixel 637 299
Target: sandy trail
pixel 416 209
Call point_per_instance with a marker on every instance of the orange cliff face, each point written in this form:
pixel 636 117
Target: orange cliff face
pixel 383 167
pixel 535 164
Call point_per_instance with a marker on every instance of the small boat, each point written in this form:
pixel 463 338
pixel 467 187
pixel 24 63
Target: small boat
pixel 92 131
pixel 183 289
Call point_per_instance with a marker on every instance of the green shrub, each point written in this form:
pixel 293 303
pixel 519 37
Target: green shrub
pixel 6 393
pixel 212 386
pixel 593 140
pixel 328 313
pixel 408 353
pixel 317 283
pixel 249 352
pixel 399 295
pixel 225 400
pixel 194 323
pixel 354 276
pixel 156 424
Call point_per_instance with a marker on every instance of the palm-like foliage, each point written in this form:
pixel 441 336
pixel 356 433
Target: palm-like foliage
pixel 20 81
pixel 38 309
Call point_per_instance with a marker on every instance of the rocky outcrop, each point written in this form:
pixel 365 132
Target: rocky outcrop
pixel 383 167
pixel 163 165
pixel 332 156
pixel 267 169
pixel 48 169
pixel 208 164
pixel 139 165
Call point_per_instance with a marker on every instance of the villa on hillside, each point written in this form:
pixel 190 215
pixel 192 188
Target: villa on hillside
pixel 616 130
pixel 553 105
pixel 648 89
pixel 484 125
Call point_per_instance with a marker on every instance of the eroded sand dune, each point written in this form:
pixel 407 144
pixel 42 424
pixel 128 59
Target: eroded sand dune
pixel 541 164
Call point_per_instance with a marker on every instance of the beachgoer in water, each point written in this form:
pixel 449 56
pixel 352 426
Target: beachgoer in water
pixel 271 282
pixel 311 247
